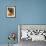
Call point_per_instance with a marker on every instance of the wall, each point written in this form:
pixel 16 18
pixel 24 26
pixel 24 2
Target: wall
pixel 27 12
pixel 31 11
pixel 7 25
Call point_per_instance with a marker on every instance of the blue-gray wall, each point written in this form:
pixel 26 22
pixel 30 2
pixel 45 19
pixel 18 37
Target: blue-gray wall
pixel 31 11
pixel 7 25
pixel 27 12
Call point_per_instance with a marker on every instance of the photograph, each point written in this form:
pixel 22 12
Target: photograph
pixel 11 12
pixel 31 33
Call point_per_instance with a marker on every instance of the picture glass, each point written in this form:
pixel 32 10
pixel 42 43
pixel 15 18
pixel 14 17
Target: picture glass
pixel 10 11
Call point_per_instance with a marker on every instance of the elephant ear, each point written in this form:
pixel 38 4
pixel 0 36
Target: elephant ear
pixel 13 36
pixel 8 37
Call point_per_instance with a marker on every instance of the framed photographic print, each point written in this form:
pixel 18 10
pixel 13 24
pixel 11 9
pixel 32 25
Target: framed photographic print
pixel 11 12
pixel 33 32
